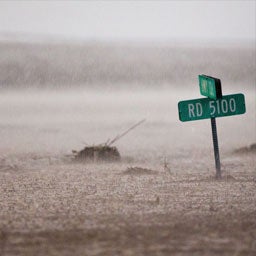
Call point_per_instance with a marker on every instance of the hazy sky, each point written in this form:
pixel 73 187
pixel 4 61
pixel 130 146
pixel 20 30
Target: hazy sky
pixel 153 20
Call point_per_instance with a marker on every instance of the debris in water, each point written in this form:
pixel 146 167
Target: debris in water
pixel 6 165
pixel 102 152
pixel 243 150
pixel 98 153
pixel 139 171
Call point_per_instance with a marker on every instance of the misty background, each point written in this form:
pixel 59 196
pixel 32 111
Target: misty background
pixel 115 43
pixel 74 73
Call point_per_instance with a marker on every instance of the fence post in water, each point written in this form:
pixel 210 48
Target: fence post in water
pixel 216 148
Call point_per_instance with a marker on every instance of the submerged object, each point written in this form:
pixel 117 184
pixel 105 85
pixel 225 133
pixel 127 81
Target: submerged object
pixel 244 150
pixel 103 152
pixel 97 153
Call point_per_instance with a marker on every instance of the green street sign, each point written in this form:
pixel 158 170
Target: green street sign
pixel 210 87
pixel 214 106
pixel 204 108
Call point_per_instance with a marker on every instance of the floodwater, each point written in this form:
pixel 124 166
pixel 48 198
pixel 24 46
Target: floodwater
pixel 51 206
pixel 56 122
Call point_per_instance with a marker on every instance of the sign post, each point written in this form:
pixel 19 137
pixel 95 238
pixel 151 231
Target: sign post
pixel 216 148
pixel 215 105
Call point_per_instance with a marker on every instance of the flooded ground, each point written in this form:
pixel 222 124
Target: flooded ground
pixel 55 122
pixel 161 199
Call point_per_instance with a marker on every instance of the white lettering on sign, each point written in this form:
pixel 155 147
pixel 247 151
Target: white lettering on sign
pixel 204 86
pixel 232 105
pixel 199 109
pixel 222 106
pixel 191 108
pixel 212 107
pixel 195 110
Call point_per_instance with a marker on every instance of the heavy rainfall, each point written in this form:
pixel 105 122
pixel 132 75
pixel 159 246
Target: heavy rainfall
pixel 95 161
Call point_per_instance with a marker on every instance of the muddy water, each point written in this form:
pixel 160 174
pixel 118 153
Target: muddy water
pixel 56 122
pixel 49 206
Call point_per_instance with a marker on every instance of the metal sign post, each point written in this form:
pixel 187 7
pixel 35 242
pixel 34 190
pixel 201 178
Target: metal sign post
pixel 215 105
pixel 216 148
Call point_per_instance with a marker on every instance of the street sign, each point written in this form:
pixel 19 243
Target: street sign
pixel 204 108
pixel 210 87
pixel 214 106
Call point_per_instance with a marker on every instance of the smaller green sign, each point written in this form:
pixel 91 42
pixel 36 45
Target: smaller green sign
pixel 203 108
pixel 210 87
